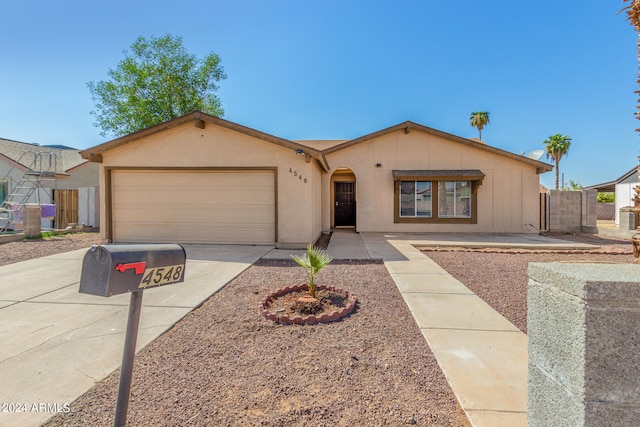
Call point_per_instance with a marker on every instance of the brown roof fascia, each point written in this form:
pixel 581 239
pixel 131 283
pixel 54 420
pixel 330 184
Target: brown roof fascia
pixel 76 167
pixel 13 163
pixel 407 126
pixel 439 174
pixel 199 118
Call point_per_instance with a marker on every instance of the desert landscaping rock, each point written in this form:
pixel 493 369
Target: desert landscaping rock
pixel 226 365
pixel 28 249
pixel 499 276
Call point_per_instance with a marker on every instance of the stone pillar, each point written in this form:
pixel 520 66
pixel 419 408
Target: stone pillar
pixel 627 219
pixel 31 220
pixel 584 344
pixel 589 211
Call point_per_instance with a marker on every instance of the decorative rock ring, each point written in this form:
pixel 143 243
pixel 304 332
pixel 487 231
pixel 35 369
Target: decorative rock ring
pixel 310 319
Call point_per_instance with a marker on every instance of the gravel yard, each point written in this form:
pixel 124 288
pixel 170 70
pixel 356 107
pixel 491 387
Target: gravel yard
pixel 224 364
pixel 499 276
pixel 28 249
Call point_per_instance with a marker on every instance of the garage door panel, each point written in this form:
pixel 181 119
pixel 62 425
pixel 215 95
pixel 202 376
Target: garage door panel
pixel 193 207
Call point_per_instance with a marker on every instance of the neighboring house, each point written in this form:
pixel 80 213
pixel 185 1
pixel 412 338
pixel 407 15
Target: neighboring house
pixel 68 172
pixel 202 179
pixel 623 187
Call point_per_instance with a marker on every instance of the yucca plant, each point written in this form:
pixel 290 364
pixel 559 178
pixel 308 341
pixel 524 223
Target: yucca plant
pixel 313 261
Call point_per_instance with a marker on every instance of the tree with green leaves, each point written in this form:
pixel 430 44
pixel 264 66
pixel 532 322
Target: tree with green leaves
pixel 158 80
pixel 556 147
pixel 479 120
pixel 573 186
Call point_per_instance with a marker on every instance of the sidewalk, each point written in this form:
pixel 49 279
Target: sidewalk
pixel 483 356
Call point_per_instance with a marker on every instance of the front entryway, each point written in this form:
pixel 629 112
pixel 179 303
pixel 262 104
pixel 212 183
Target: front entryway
pixel 345 204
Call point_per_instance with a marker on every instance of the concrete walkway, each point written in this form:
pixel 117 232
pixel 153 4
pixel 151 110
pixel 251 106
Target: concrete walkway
pixel 58 343
pixel 483 356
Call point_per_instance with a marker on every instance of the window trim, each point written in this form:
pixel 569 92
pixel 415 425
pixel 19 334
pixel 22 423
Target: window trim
pixel 474 177
pixel 415 189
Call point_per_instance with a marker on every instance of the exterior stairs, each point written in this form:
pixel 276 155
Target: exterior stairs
pixel 41 167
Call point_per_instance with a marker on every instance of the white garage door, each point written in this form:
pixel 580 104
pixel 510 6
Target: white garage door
pixel 166 206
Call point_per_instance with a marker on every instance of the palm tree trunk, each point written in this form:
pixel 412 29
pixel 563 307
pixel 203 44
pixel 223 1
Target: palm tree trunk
pixel 557 172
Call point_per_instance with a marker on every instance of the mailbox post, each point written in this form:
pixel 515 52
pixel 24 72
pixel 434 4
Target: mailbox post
pixel 116 269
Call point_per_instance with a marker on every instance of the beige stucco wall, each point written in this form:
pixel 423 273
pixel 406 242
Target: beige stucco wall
pixel 85 175
pixel 507 199
pixel 298 182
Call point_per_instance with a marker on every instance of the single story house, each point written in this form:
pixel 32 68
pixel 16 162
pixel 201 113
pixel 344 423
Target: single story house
pixel 203 179
pixel 60 175
pixel 624 189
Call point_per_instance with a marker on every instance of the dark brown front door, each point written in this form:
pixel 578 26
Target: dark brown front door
pixel 345 204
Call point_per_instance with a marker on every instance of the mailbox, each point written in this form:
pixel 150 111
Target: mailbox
pixel 120 268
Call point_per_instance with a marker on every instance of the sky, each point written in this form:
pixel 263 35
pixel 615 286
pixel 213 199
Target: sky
pixel 340 69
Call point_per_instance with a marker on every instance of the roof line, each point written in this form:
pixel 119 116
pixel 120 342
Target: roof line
pixel 199 116
pixel 319 155
pixel 13 162
pixel 615 181
pixel 407 126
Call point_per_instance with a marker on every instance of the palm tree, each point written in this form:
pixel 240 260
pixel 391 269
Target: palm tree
pixel 557 146
pixel 479 119
pixel 313 261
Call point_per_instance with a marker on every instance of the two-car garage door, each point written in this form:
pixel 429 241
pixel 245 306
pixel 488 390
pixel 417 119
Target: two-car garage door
pixel 193 206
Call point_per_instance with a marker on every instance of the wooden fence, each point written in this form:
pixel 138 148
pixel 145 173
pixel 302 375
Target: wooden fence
pixel 66 208
pixel 544 212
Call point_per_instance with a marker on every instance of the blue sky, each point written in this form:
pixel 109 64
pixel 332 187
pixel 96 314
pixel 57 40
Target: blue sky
pixel 341 69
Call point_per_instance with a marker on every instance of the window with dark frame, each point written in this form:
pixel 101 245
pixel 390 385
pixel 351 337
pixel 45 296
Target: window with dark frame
pixel 443 196
pixel 415 199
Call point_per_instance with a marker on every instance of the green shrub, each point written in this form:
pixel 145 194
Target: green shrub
pixel 606 197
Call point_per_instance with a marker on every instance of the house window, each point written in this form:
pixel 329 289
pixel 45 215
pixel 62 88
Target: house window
pixel 436 196
pixel 4 189
pixel 415 199
pixel 454 199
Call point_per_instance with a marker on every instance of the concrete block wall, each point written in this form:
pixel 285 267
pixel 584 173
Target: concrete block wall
pixel 573 211
pixel 584 333
pixel 627 219
pixel 589 211
pixel 606 211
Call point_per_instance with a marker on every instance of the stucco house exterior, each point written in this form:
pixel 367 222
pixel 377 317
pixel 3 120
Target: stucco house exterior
pixel 203 179
pixel 63 169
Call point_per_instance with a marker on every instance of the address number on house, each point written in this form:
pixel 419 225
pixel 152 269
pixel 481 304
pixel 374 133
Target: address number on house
pixel 162 276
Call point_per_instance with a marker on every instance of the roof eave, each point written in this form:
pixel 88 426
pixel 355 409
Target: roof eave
pixel 94 154
pixel 407 126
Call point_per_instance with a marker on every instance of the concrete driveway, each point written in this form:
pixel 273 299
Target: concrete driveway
pixel 58 343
